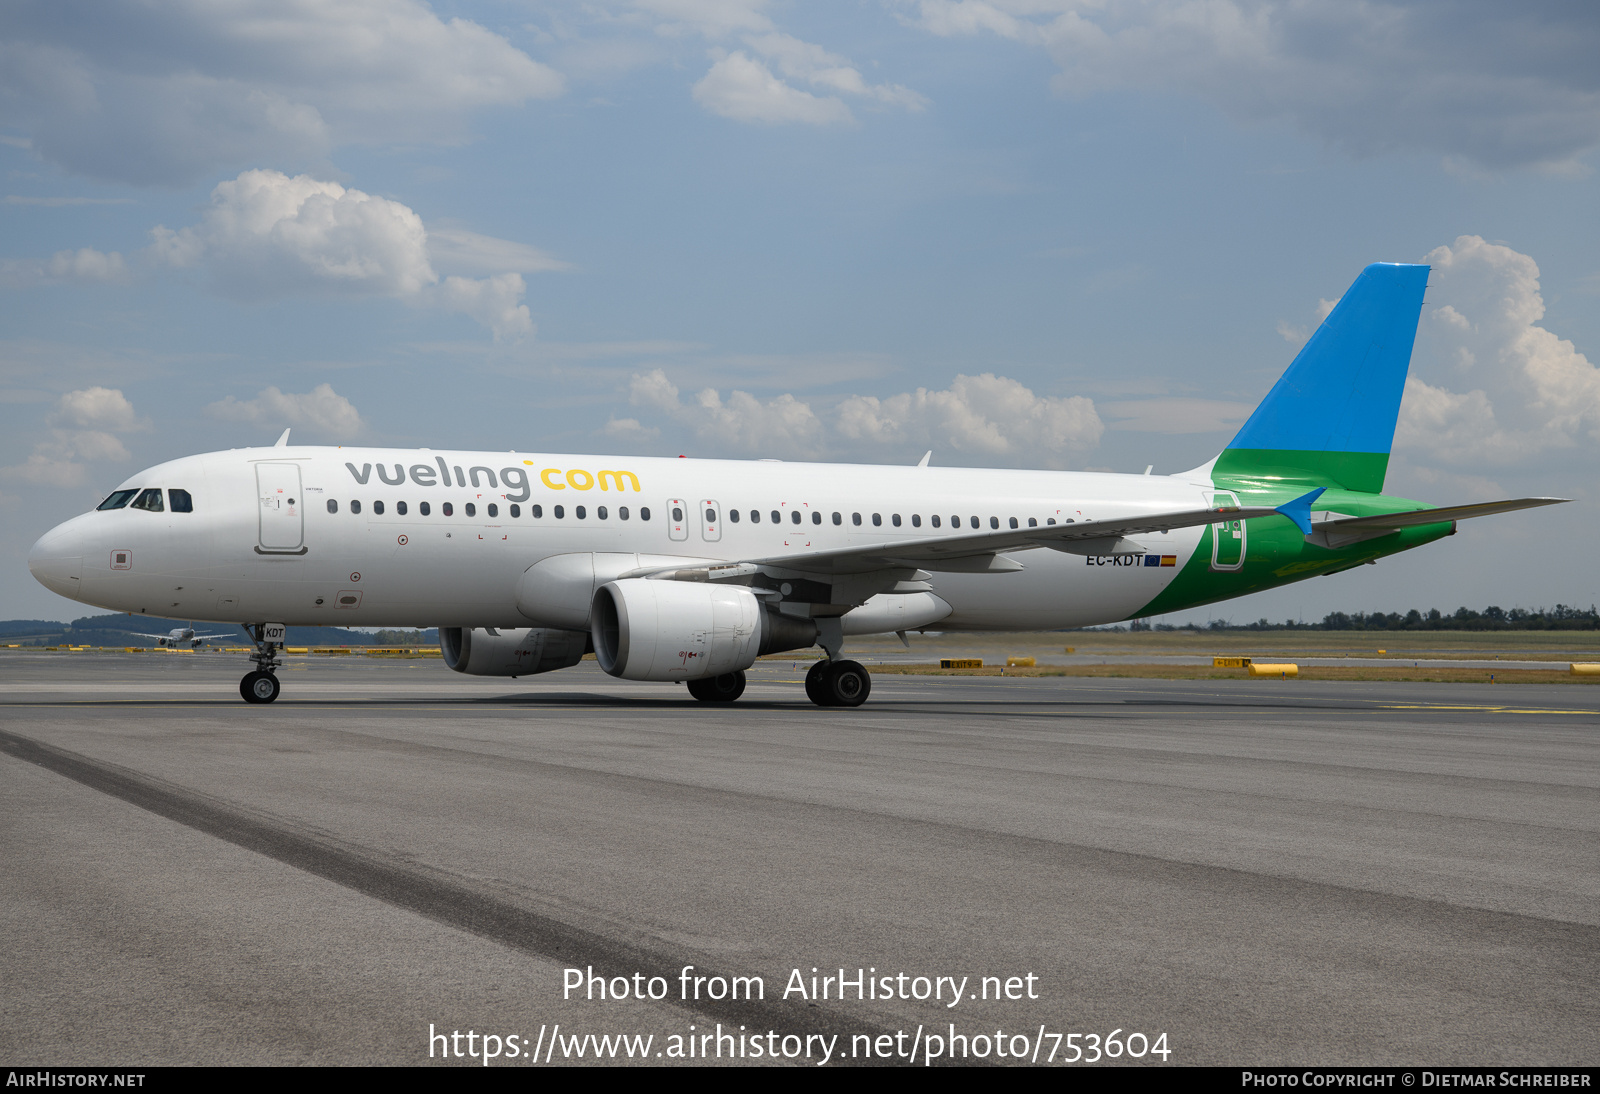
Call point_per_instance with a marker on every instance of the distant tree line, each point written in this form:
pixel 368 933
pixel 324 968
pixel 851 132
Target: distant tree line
pixel 1492 618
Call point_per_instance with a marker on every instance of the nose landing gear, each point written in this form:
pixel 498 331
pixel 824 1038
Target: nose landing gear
pixel 838 683
pixel 261 686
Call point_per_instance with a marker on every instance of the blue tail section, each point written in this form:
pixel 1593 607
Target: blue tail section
pixel 1330 418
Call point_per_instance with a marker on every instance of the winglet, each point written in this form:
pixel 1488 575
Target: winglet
pixel 283 441
pixel 1299 510
pixel 926 456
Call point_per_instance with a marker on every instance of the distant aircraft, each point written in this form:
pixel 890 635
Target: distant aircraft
pixel 689 569
pixel 177 636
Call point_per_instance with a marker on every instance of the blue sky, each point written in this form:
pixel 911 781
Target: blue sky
pixel 1018 232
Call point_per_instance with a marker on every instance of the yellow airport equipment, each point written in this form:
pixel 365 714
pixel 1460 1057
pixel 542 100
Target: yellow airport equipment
pixel 1230 662
pixel 1020 662
pixel 961 662
pixel 1586 668
pixel 1274 670
pixel 1071 649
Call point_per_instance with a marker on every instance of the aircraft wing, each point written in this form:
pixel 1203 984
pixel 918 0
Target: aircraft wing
pixel 980 551
pixel 1434 516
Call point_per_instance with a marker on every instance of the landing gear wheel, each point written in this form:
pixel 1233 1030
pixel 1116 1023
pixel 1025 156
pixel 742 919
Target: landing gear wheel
pixel 259 687
pixel 718 689
pixel 815 689
pixel 846 684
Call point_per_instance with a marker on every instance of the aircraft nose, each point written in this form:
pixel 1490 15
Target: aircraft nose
pixel 56 561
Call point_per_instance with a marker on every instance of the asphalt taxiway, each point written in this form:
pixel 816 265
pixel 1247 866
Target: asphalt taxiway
pixel 1266 871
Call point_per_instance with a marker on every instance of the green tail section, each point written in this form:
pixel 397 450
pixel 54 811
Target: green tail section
pixel 1328 422
pixel 1362 472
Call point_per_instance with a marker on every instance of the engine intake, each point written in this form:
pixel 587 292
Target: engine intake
pixel 480 652
pixel 682 630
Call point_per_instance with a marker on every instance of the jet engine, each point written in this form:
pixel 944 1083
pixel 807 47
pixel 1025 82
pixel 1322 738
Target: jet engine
pixel 686 630
pixel 485 652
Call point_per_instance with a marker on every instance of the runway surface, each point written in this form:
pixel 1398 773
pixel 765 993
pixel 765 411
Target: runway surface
pixel 1268 872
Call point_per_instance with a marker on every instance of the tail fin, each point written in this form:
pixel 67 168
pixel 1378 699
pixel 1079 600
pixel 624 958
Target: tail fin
pixel 1329 420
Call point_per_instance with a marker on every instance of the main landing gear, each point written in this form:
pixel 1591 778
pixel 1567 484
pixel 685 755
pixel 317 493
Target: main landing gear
pixel 261 686
pixel 718 689
pixel 834 683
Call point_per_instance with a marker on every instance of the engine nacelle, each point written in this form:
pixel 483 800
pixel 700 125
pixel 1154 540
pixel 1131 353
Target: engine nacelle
pixel 480 652
pixel 686 630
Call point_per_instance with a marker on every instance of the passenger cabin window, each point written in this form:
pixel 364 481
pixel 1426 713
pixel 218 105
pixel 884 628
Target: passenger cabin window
pixel 935 519
pixel 424 508
pixel 472 510
pixel 118 499
pixel 448 509
pixel 733 515
pixel 377 508
pixel 559 512
pixel 994 522
pixel 916 520
pixel 794 516
pixel 855 518
pixel 600 511
pixel 838 518
pixel 580 511
pixel 777 517
pixel 677 514
pixel 644 512
pixel 622 512
pixel 355 506
pixel 976 523
pixel 494 510
pixel 537 511
pixel 895 520
pixel 181 501
pixel 755 516
pixel 150 501
pixel 333 505
pixel 400 508
pixel 1033 522
pixel 816 518
pixel 877 520
pixel 516 510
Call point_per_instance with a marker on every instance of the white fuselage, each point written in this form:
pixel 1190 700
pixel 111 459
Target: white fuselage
pixel 276 534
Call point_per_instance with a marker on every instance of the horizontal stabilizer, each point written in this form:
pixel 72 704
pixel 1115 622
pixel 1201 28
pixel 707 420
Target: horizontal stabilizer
pixel 1436 516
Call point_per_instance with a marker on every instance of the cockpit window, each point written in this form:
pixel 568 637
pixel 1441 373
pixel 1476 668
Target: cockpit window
pixel 118 499
pixel 149 500
pixel 181 501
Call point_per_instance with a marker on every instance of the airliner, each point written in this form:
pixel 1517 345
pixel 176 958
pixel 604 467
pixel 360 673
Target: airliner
pixel 689 569
pixel 177 636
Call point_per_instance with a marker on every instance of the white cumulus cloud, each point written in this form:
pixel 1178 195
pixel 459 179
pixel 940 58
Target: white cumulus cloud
pixel 1498 386
pixel 266 235
pixel 84 428
pixel 321 410
pixel 165 93
pixel 84 266
pixel 758 82
pixel 744 89
pixel 1498 85
pixel 985 416
pixel 740 423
